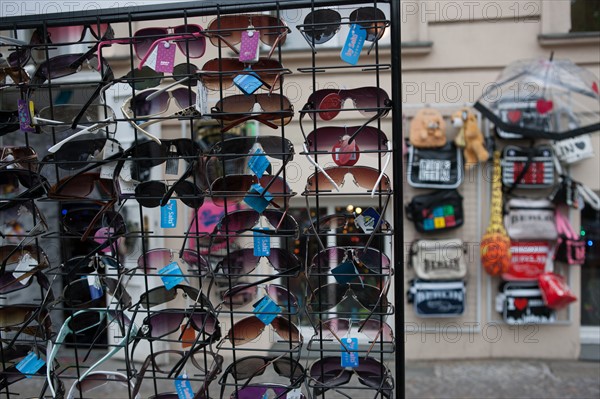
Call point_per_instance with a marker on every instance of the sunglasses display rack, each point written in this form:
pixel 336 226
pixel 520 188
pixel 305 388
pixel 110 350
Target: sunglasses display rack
pixel 156 242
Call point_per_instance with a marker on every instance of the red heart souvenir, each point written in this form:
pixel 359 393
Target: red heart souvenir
pixel 345 154
pixel 514 116
pixel 521 303
pixel 595 87
pixel 544 106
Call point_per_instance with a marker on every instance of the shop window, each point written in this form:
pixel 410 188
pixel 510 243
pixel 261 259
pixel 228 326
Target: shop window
pixel 585 16
pixel 590 271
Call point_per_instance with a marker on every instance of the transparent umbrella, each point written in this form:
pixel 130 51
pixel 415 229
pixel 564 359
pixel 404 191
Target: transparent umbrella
pixel 543 98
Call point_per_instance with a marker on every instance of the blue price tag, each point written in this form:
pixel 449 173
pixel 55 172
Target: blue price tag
pixel 368 219
pixel 350 359
pixel 259 204
pixel 262 243
pixel 171 275
pixel 258 162
pixel 354 44
pixel 183 387
pixel 345 272
pixel 93 281
pixel 30 364
pixel 266 310
pixel 247 83
pixel 168 215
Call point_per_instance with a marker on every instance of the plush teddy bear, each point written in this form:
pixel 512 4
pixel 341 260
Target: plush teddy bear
pixel 469 137
pixel 428 129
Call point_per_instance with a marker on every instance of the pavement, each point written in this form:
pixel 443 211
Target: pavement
pixel 477 379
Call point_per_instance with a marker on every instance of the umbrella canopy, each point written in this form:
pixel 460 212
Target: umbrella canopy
pixel 552 99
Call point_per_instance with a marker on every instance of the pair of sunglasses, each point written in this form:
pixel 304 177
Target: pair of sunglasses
pixel 373 259
pixel 152 194
pixel 320 26
pixel 273 110
pixel 162 323
pixel 22 157
pixel 189 37
pixel 331 295
pixel 226 30
pixel 242 261
pixel 243 294
pixel 326 104
pixel 327 373
pixel 147 78
pixel 249 367
pixel 153 260
pixel 232 189
pixel 243 220
pixel 69 34
pixel 330 179
pixel 248 329
pixel 219 73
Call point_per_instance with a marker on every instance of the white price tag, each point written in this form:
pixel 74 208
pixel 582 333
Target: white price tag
pixel 202 100
pixel 127 187
pixel 26 264
pixel 107 170
pixel 125 173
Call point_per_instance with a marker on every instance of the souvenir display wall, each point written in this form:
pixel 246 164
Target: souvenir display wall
pixel 145 204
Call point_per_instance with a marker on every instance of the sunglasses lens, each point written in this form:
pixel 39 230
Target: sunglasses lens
pixel 76 154
pixel 58 66
pixel 77 294
pixel 185 98
pixel 19 57
pixel 154 260
pixel 142 107
pixel 145 78
pixel 282 297
pixel 149 194
pixel 157 296
pixel 374 29
pixel 287 331
pixel 65 34
pixel 98 379
pixel 162 324
pixel 327 24
pixel 143 39
pixel 189 194
pixel 194 48
pixel 240 298
pixel 196 262
pixel 9 283
pixel 204 322
pixel 229 29
pixel 245 330
pixel 84 321
pixel 183 71
pixel 369 99
pixel 99 30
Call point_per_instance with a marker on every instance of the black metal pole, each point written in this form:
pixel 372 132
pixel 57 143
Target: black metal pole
pixel 398 195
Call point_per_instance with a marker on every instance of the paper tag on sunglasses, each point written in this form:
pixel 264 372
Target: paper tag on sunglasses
pixel 202 100
pixel 183 387
pixel 258 162
pixel 248 83
pixel 256 202
pixel 354 44
pixel 26 264
pixel 367 220
pixel 250 46
pixel 349 359
pixel 162 58
pixel 266 310
pixel 294 394
pixel 171 275
pixel 96 290
pixel 168 215
pixel 107 170
pixel 262 243
pixel 25 109
pixel 127 186
pixel 30 365
pixel 345 272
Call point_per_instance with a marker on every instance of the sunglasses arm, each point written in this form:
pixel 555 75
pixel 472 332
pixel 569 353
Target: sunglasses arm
pixel 90 129
pixel 137 127
pixel 280 38
pixel 386 164
pixel 162 90
pixel 316 165
pixel 222 39
pixel 194 35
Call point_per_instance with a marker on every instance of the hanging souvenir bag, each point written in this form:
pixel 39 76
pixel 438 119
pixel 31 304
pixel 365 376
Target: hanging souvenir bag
pixel 522 303
pixel 439 168
pixel 524 167
pixel 570 248
pixel 573 149
pixel 437 298
pixel 528 260
pixel 495 244
pixel 438 259
pixel 555 292
pixel 530 219
pixel 435 212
